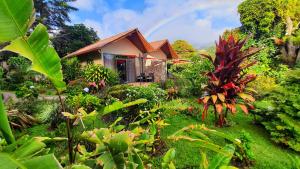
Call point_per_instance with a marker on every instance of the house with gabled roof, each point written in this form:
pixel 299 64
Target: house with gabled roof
pixel 131 55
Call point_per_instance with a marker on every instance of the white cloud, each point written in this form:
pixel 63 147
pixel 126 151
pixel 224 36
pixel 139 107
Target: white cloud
pixel 87 5
pixel 93 24
pixel 176 19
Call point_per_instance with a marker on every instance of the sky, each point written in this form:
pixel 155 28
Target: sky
pixel 200 22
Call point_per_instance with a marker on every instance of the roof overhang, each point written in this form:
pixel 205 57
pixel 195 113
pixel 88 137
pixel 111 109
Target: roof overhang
pixel 134 36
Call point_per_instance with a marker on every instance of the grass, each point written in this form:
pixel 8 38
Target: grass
pixel 268 155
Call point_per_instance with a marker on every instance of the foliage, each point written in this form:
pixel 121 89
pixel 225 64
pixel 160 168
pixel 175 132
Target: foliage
pixel 71 69
pixel 44 111
pixel 88 101
pixel 183 49
pixel 201 135
pixel 54 14
pixel 76 86
pixel 273 19
pixel 100 75
pixel 218 161
pixel 36 47
pixel 72 38
pixel 154 95
pixel 18 72
pixel 168 159
pixel 258 16
pixel 268 63
pixel 278 111
pixel 228 81
pixel 4 124
pixel 27 91
pixel 27 153
pixel 117 105
pixel 262 85
pixel 246 157
pixel 118 91
pixel 19 63
pixel 189 77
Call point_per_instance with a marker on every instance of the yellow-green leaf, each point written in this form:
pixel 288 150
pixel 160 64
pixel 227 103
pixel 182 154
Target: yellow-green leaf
pixel 44 58
pixel 221 97
pixel 214 98
pixel 246 97
pixel 15 18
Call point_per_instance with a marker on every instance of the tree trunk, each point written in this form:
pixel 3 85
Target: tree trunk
pixel 290 52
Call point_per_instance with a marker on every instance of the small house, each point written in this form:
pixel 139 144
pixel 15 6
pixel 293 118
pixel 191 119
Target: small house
pixel 131 55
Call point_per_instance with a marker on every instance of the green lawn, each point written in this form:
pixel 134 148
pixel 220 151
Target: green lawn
pixel 267 154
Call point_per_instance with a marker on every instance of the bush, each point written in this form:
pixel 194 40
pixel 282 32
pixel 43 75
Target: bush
pixel 97 73
pixel 27 91
pixel 45 110
pixel 263 85
pixel 19 71
pixel 279 111
pixel 76 86
pixel 118 91
pixel 87 101
pixel 190 77
pixel 71 69
pixel 154 96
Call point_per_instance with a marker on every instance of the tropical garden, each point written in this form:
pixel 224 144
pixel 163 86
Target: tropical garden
pixel 233 105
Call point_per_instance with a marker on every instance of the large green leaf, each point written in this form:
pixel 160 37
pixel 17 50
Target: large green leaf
pixel 120 105
pixel 27 153
pixel 4 124
pixel 220 160
pixel 15 18
pixel 42 162
pixel 43 56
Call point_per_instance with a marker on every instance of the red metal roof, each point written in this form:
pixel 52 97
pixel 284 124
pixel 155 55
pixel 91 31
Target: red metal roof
pixel 166 47
pixel 136 38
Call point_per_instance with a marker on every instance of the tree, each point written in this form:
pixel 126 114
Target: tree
pixel 183 49
pixel 53 13
pixel 278 19
pixel 72 38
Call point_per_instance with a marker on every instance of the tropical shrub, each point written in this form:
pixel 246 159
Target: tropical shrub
pixel 87 101
pixel 77 86
pixel 118 91
pixel 154 96
pixel 71 69
pixel 227 81
pixel 44 111
pixel 27 153
pixel 100 75
pixel 279 111
pixel 262 85
pixel 18 72
pixel 189 77
pixel 27 91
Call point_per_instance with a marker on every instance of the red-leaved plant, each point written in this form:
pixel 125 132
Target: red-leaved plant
pixel 226 86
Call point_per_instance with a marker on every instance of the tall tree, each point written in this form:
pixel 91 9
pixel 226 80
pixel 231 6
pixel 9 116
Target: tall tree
pixel 72 38
pixel 183 49
pixel 279 19
pixel 53 13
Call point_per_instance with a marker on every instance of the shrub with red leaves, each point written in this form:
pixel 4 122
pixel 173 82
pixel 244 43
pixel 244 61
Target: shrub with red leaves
pixel 227 82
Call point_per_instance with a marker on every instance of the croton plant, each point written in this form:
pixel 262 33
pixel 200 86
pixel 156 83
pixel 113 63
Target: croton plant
pixel 226 85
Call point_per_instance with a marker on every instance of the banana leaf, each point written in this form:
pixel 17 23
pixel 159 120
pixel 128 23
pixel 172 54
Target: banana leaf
pixel 120 105
pixel 44 58
pixel 28 153
pixel 4 124
pixel 16 17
